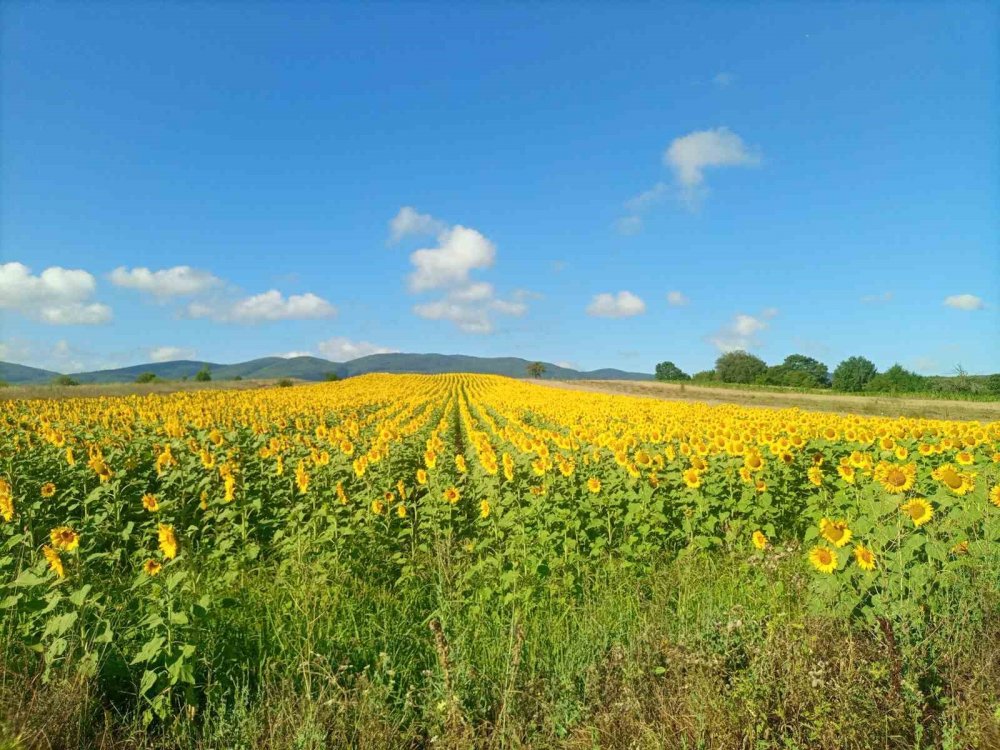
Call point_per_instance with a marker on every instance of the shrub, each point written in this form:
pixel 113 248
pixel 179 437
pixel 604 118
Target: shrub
pixel 4 384
pixel 238 377
pixel 330 377
pixel 285 383
pixel 65 380
pixel 853 374
pixel 897 379
pixel 535 370
pixel 203 375
pixel 705 376
pixel 670 371
pixel 739 367
pixel 993 384
pixel 146 377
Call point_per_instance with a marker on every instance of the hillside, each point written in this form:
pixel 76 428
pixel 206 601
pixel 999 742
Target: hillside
pixel 314 368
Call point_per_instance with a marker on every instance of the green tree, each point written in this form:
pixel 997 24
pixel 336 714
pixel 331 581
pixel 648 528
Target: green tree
pixel 535 370
pixel 146 377
pixel 993 384
pixel 853 374
pixel 331 377
pixel 670 371
pixel 897 379
pixel 65 380
pixel 203 375
pixel 817 374
pixel 739 367
pixel 704 376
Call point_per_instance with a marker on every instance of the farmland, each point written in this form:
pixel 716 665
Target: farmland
pixel 472 561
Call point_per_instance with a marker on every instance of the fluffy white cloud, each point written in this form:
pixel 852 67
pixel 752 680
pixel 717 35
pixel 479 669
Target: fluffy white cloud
pixel 690 155
pixel 168 282
pixel 268 306
pixel 472 312
pixel 965 302
pixel 648 198
pixel 460 250
pixel 410 222
pixel 742 332
pixel 623 305
pixel 170 353
pixel 677 299
pixel 340 349
pixel 58 296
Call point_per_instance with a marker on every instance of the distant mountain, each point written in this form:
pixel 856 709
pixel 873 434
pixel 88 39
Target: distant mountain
pixel 18 374
pixel 314 368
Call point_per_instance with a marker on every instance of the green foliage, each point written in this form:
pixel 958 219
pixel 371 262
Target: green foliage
pixel 897 379
pixel 285 383
pixel 739 367
pixel 993 384
pixel 705 376
pixel 146 377
pixel 535 370
pixel 65 380
pixel 670 371
pixel 203 375
pixel 238 377
pixel 331 377
pixel 854 374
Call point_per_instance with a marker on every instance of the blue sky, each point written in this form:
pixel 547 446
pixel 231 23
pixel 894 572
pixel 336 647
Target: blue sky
pixel 596 184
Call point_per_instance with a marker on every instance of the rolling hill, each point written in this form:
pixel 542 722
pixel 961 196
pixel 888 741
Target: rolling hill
pixel 314 368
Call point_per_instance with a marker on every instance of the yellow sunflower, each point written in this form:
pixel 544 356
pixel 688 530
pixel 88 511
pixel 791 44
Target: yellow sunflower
pixel 835 532
pixel 55 562
pixel 815 475
pixel 823 559
pixel 896 478
pixel 152 567
pixel 759 540
pixel 48 489
pixel 167 540
pixel 452 495
pixel 63 537
pixel 919 510
pixel 484 509
pixel 692 478
pixel 864 557
pixel 594 485
pixel 150 503
pixel 995 495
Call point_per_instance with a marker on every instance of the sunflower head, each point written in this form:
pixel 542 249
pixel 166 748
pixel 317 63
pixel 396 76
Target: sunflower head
pixel 864 557
pixel 919 510
pixel 48 489
pixel 759 540
pixel 594 485
pixel 823 559
pixel 452 495
pixel 835 532
pixel 152 567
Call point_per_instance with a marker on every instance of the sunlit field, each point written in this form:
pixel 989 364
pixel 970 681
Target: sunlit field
pixel 473 561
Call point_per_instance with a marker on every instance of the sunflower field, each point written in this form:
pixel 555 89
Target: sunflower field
pixel 404 536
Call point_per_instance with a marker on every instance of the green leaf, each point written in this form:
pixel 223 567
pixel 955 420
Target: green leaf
pixel 147 681
pixel 28 578
pixel 149 650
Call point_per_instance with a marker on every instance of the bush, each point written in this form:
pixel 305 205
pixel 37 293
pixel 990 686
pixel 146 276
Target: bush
pixel 739 367
pixel 853 374
pixel 146 377
pixel 897 379
pixel 705 376
pixel 670 371
pixel 65 380
pixel 4 384
pixel 238 377
pixel 330 377
pixel 203 375
pixel 285 383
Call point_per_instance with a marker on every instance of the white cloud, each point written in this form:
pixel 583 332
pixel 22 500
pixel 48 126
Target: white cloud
pixel 340 349
pixel 409 222
pixel 170 353
pixel 58 296
pixel 168 282
pixel 268 306
pixel 460 250
pixel 472 315
pixel 292 355
pixel 723 79
pixel 648 198
pixel 629 225
pixel 965 302
pixel 567 364
pixel 876 299
pixel 690 155
pixel 677 299
pixel 742 332
pixel 623 305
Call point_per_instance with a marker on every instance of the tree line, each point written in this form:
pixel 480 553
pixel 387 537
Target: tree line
pixel 853 375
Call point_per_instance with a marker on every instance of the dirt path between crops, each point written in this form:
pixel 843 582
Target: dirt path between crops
pixel 842 404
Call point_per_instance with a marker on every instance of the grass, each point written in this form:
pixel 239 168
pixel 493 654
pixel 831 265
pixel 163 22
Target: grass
pixel 703 651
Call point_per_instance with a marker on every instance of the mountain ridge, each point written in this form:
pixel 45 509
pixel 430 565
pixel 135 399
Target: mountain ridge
pixel 315 369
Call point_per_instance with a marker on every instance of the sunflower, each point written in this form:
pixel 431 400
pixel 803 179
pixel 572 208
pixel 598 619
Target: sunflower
pixel 152 567
pixel 150 503
pixel 919 510
pixel 835 532
pixel 956 481
pixel 815 475
pixel 846 472
pixel 421 476
pixel 995 495
pixel 484 509
pixel 896 478
pixel 692 478
pixel 6 501
pixel 48 489
pixel 962 548
pixel 460 464
pixel 55 562
pixel 594 485
pixel 823 559
pixel 759 540
pixel 302 478
pixel 401 511
pixel 230 488
pixel 63 537
pixel 864 557
pixel 378 507
pixel 167 540
pixel 965 458
pixel 452 495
